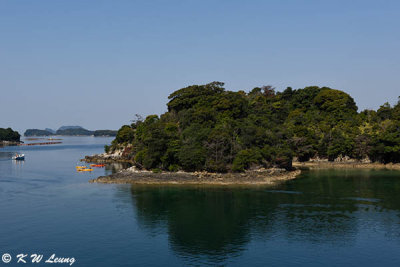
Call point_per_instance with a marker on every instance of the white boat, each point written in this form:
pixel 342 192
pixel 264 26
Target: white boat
pixel 19 157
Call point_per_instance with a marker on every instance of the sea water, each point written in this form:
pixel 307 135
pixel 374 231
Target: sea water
pixel 329 217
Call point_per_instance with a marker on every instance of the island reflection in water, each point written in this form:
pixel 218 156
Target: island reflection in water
pixel 324 208
pixel 115 167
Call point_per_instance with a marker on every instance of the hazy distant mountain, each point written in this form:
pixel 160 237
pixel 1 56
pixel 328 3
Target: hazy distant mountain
pixel 73 130
pixel 50 130
pixel 69 130
pixel 62 128
pixel 37 132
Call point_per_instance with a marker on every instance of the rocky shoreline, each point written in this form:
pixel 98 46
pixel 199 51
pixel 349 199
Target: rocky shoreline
pixel 345 165
pixel 106 158
pixel 260 176
pixel 132 175
pixel 256 177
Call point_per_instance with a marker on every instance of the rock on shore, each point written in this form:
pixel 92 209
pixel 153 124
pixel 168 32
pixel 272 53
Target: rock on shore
pixel 106 158
pixel 346 165
pixel 256 177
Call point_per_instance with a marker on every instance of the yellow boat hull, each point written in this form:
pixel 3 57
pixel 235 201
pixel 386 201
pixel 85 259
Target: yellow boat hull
pixel 84 170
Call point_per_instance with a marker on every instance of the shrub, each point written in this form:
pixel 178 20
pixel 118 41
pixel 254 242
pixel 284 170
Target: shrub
pixel 173 168
pixel 245 158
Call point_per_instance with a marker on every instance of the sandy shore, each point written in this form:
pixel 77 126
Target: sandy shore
pixel 259 177
pixel 345 165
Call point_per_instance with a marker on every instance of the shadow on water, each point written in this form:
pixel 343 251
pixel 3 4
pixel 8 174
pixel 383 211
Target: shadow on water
pixel 115 167
pixel 319 207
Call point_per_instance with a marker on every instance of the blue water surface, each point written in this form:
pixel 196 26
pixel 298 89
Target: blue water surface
pixel 330 217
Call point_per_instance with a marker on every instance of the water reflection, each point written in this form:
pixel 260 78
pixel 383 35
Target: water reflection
pixel 115 167
pixel 6 155
pixel 216 223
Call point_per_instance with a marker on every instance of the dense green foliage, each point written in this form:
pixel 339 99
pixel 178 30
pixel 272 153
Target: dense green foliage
pixel 37 132
pixel 9 135
pixel 209 128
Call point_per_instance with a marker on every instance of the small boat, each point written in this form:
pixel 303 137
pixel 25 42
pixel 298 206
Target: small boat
pixel 84 170
pixel 19 157
pixel 80 167
pixel 97 165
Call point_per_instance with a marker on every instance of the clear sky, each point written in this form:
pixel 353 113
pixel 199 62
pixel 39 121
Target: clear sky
pixel 97 63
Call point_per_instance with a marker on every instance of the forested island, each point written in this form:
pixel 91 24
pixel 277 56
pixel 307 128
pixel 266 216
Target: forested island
pixel 69 131
pixel 9 136
pixel 74 131
pixel 37 132
pixel 105 133
pixel 209 128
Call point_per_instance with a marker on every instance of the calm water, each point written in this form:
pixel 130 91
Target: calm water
pixel 330 218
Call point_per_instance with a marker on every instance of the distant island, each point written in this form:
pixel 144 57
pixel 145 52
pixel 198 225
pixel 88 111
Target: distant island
pixel 208 128
pixel 50 130
pixel 9 136
pixel 69 131
pixel 37 132
pixel 73 130
pixel 105 133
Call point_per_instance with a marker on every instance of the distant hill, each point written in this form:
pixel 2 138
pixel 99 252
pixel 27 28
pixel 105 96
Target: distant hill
pixel 62 128
pixel 105 133
pixel 37 132
pixel 74 131
pixel 70 131
pixel 50 130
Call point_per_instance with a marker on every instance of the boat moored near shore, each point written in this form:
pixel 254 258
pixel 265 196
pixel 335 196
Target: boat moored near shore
pixel 19 157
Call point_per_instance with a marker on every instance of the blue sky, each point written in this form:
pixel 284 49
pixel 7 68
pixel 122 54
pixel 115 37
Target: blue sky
pixel 97 63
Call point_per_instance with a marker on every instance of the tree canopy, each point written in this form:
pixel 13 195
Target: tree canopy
pixel 9 135
pixel 209 128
